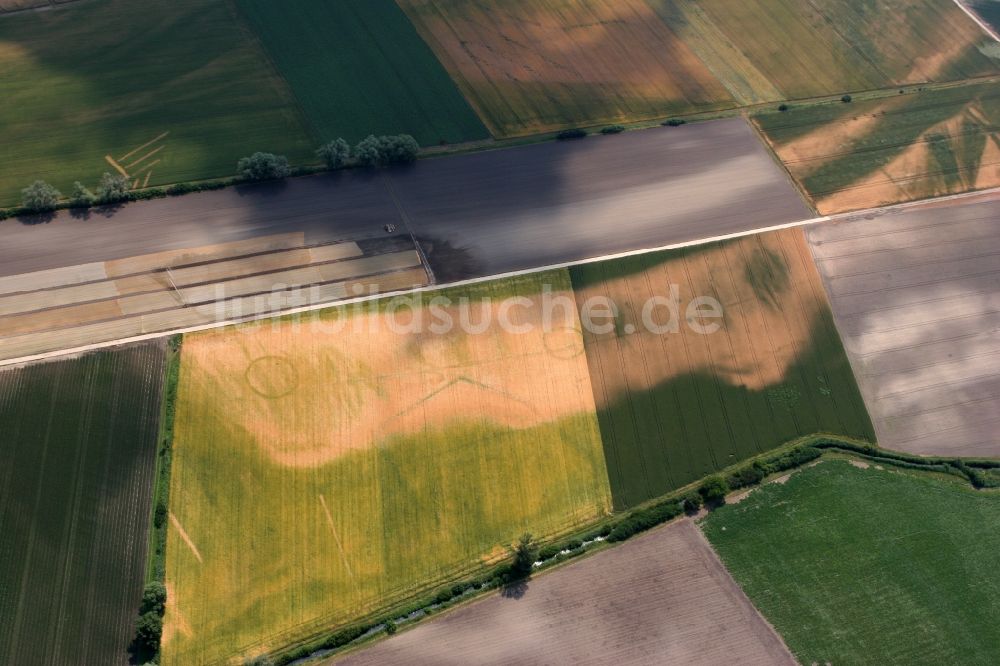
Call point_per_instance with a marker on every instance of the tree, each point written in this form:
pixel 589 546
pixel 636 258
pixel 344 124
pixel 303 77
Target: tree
pixel 148 631
pixel 81 196
pixel 525 555
pixel 335 154
pixel 399 149
pixel 377 151
pixel 714 490
pixel 368 152
pixel 113 188
pixel 40 196
pixel 154 598
pixel 263 166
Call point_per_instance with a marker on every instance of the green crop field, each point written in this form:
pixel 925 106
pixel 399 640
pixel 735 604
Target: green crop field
pixel 674 408
pixel 124 79
pixel 358 67
pixel 869 566
pixel 989 10
pixel 881 151
pixel 76 471
pixel 320 475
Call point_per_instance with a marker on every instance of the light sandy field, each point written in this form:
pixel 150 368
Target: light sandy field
pixel 674 407
pixel 104 301
pixel 324 469
pixel 660 598
pixel 916 297
pixel 529 66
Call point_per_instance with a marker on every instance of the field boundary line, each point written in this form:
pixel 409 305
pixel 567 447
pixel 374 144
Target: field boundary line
pixel 979 21
pixel 852 215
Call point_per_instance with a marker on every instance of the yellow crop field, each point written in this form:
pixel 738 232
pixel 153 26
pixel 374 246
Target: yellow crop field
pixel 530 66
pixel 324 469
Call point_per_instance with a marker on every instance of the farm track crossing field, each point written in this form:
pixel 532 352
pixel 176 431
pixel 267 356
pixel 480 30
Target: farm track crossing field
pixel 177 90
pixel 358 67
pixel 682 608
pixel 869 566
pixel 324 469
pixel 789 49
pixel 675 407
pixel 76 472
pixel 916 296
pixel 529 66
pixel 877 152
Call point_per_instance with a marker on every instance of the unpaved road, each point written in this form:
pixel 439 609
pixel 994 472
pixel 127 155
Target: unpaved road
pixel 477 214
pixel 661 598
pixel 916 297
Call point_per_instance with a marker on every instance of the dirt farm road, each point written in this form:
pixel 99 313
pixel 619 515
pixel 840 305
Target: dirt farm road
pixel 476 214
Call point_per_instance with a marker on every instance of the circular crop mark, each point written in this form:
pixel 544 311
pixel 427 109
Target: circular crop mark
pixel 272 377
pixel 564 343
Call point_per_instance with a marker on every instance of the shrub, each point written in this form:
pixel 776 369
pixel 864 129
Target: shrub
pixel 746 476
pixel 390 627
pixel 846 99
pixel 570 134
pixel 39 197
pixel 692 502
pixel 81 197
pixel 674 122
pixel 368 152
pixel 549 551
pixel 612 129
pixel 263 166
pixel 113 188
pixel 160 515
pixel 783 108
pixel 714 490
pixel 644 519
pixel 574 544
pixel 335 154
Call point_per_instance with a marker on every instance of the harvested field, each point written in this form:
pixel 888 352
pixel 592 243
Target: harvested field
pixel 877 152
pixel 381 463
pixel 788 49
pixel 663 597
pixel 116 300
pixel 105 77
pixel 358 67
pixel 76 475
pixel 869 566
pixel 916 296
pixel 676 405
pixel 529 66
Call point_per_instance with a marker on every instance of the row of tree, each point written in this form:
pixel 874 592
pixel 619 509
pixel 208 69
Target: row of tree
pixel 374 151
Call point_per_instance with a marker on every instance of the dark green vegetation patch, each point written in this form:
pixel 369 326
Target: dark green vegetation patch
pixel 869 566
pixel 76 470
pixel 358 67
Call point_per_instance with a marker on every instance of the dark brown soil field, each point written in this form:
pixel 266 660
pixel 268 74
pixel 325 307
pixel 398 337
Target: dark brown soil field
pixel 661 598
pixel 476 214
pixel 916 297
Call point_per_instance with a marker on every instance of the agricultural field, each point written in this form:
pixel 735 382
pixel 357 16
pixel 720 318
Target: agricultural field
pixel 683 608
pixel 916 297
pixel 76 475
pixel 528 66
pixel 327 468
pixel 988 10
pixel 882 151
pixel 358 67
pixel 169 91
pixel 869 565
pixel 766 50
pixel 677 406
